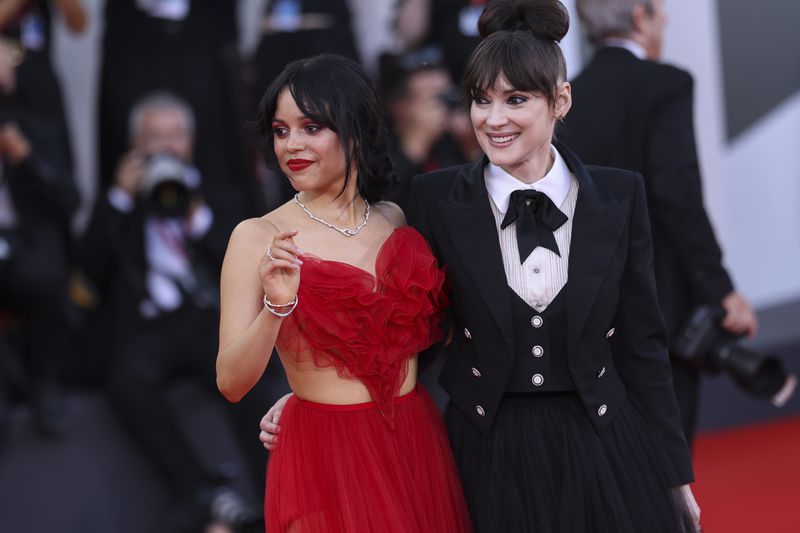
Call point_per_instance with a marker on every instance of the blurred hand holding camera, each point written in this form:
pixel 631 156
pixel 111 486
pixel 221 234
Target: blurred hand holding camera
pixel 706 343
pixel 740 319
pixel 130 172
pixel 162 181
pixel 13 143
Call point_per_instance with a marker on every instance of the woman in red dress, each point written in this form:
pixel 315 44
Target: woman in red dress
pixel 348 295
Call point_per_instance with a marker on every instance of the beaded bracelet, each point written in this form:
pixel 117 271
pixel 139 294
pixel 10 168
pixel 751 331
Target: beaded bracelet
pixel 269 305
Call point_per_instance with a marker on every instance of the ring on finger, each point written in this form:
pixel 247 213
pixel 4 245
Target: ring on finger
pixel 269 253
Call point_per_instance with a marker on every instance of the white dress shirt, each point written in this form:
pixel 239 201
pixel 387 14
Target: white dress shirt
pixel 544 273
pixel 631 46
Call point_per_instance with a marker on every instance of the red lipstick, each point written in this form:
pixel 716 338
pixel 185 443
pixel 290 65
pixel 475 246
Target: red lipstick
pixel 296 165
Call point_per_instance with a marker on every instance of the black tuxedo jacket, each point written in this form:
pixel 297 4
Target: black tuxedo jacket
pixel 616 343
pixel 637 114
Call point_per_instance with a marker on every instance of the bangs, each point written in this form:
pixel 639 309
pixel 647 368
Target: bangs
pixel 527 63
pixel 310 94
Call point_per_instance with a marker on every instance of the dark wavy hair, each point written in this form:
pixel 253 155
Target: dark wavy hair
pixel 520 42
pixel 335 92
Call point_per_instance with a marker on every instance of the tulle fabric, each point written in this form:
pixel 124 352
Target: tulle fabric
pixel 544 468
pixel 368 326
pixel 340 469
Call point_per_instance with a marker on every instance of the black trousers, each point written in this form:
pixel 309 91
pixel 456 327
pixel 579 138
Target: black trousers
pixel 147 360
pixel 33 288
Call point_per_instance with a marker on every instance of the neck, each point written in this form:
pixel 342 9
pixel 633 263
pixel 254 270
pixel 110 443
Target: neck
pixel 346 209
pixel 535 167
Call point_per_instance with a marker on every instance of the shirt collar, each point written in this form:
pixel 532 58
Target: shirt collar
pixel 555 184
pixel 631 46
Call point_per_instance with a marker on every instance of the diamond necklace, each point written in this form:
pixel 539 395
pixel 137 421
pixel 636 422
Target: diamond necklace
pixel 347 232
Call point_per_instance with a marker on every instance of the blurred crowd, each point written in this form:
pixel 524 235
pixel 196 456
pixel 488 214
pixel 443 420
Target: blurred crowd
pixel 128 305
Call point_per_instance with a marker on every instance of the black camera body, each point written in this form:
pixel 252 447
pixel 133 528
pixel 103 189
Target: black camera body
pixel 704 344
pixel 166 189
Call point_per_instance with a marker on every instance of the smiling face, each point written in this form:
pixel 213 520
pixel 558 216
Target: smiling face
pixel 515 128
pixel 308 152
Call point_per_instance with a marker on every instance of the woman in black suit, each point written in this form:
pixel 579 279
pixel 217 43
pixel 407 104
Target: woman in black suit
pixel 562 416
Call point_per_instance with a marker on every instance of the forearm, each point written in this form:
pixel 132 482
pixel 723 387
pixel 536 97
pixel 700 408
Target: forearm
pixel 242 361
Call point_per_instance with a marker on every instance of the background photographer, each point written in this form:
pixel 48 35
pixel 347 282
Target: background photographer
pixel 37 200
pixel 429 128
pixel 153 250
pixel 632 112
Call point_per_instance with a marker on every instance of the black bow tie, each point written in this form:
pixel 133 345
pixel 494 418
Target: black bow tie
pixel 537 218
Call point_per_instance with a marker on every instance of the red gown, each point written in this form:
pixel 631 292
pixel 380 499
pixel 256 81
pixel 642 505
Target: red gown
pixel 382 466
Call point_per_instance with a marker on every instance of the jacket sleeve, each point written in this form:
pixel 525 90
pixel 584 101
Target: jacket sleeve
pixel 46 173
pixel 675 193
pixel 98 253
pixel 417 217
pixel 640 346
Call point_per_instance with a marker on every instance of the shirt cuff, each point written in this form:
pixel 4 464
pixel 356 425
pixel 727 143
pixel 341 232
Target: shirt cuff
pixel 120 200
pixel 200 222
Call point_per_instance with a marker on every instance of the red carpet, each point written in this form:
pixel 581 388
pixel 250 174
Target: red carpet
pixel 748 479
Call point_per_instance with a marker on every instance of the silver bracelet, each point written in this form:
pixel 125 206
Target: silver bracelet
pixel 269 306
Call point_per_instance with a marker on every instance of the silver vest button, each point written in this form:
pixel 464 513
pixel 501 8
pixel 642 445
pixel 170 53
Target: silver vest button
pixel 537 351
pixel 467 334
pixel 602 410
pixel 476 372
pixel 537 380
pixel 480 410
pixel 602 372
pixel 537 321
pixel 610 333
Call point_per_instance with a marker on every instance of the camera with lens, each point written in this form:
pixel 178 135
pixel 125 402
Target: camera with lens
pixel 705 344
pixel 166 187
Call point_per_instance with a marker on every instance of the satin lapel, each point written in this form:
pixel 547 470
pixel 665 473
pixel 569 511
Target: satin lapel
pixel 596 229
pixel 469 220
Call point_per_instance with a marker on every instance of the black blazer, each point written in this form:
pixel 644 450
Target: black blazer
pixel 637 114
pixel 616 342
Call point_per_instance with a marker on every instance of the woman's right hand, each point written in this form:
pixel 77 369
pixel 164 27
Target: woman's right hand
pixel 280 269
pixel 269 424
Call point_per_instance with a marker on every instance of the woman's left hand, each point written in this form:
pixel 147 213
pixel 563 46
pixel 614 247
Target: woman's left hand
pixel 269 424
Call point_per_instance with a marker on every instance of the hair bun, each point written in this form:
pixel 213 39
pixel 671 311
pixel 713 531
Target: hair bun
pixel 546 19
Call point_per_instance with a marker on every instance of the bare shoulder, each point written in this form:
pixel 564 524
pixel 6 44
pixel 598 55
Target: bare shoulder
pixel 391 212
pixel 262 229
pixel 253 230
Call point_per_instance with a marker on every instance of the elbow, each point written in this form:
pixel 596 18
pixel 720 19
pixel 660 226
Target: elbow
pixel 230 393
pixel 227 386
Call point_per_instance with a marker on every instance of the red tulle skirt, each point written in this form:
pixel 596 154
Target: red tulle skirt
pixel 340 468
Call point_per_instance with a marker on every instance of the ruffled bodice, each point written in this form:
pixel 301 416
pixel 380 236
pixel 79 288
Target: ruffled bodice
pixel 368 326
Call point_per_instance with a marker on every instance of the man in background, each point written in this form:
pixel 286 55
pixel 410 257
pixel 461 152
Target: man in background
pixel 630 111
pixel 153 250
